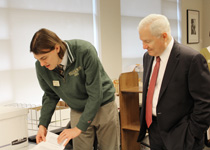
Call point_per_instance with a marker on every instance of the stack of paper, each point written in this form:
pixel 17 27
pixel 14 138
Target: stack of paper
pixel 50 144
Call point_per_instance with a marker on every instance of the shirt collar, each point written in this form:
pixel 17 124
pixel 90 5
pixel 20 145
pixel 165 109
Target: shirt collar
pixel 64 60
pixel 69 54
pixel 167 51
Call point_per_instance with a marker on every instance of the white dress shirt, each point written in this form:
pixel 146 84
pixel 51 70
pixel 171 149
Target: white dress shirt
pixel 163 62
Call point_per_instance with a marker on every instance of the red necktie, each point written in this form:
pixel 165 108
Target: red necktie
pixel 150 92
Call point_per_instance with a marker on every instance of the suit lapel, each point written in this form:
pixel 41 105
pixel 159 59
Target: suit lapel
pixel 147 73
pixel 170 68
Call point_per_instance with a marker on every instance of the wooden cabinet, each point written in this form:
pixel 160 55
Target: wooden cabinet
pixel 129 110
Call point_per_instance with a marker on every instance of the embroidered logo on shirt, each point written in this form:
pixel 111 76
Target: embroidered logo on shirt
pixel 75 72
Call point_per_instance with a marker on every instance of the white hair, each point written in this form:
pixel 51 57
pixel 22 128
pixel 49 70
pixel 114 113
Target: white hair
pixel 158 24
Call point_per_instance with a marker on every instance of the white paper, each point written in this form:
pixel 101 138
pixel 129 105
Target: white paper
pixel 50 144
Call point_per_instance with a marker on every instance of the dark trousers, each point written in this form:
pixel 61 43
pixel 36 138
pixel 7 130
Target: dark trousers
pixel 157 143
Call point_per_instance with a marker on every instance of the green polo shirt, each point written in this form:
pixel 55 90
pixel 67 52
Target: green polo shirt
pixel 85 86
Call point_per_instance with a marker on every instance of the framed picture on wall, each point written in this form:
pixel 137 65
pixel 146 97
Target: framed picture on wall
pixel 193 24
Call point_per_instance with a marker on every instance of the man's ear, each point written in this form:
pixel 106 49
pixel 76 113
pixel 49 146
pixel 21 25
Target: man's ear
pixel 165 35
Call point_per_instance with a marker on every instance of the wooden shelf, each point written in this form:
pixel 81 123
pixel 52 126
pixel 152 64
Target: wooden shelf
pixel 131 127
pixel 135 89
pixel 129 110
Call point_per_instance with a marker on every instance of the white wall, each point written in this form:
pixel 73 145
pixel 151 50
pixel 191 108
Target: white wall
pixel 206 23
pixel 109 36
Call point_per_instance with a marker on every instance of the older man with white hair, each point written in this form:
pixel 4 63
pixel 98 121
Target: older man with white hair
pixel 176 82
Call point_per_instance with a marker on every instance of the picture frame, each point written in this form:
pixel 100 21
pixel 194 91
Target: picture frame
pixel 193 26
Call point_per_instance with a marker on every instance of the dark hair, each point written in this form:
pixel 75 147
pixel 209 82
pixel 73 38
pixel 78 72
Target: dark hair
pixel 45 39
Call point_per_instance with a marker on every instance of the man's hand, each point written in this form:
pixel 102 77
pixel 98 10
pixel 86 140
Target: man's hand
pixel 68 134
pixel 41 135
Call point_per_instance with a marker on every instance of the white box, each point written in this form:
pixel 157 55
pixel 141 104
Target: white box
pixel 13 128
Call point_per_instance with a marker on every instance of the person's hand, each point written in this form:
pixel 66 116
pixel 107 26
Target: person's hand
pixel 68 134
pixel 41 135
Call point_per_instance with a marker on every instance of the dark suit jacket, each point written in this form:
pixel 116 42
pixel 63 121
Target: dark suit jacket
pixel 183 109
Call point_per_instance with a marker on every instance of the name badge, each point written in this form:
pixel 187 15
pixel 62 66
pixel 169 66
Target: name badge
pixel 208 61
pixel 56 83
